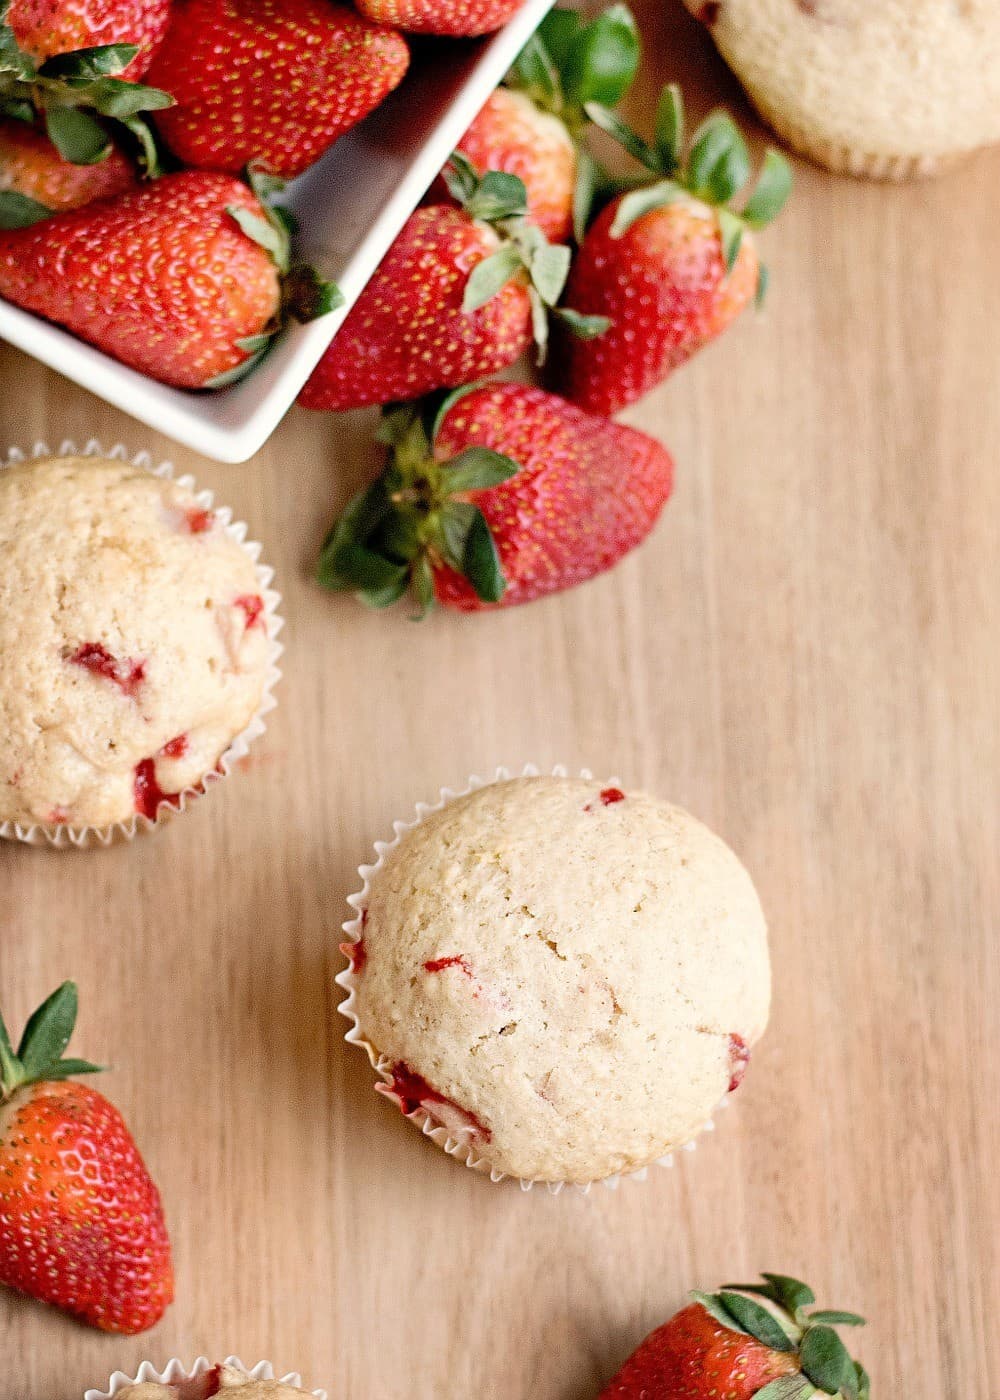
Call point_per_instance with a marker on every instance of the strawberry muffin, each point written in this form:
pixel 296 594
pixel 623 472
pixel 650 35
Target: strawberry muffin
pixel 565 976
pixel 219 1380
pixel 886 91
pixel 135 642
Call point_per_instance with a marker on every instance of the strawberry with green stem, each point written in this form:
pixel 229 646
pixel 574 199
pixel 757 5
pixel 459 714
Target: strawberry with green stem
pixel 81 1223
pixel 70 70
pixel 461 294
pixel 187 279
pixel 496 496
pixel 533 127
pixel 729 1344
pixel 671 263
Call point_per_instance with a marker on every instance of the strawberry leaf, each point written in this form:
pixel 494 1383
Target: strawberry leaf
pixel 454 522
pixel 864 1383
pixel 756 1320
pixel 262 232
pixel 833 1317
pixel 713 1305
pixel 77 136
pixel 537 73
pixel 423 586
pixel 477 469
pixel 13 60
pixel 19 109
pixel 584 326
pixel 584 190
pixel 549 268
pixel 384 597
pixel 711 144
pixel 763 280
pixel 732 170
pixel 602 60
pixel 771 192
pixel 460 177
pixel 113 97
pixel 498 195
pixel 826 1362
pixel 102 61
pixel 640 202
pixel 488 277
pixel 481 562
pixel 357 523
pixel 48 1030
pixel 669 130
pixel 732 231
pixel 787 1388
pixel 621 132
pixel 18 211
pixel 557 32
pixel 791 1293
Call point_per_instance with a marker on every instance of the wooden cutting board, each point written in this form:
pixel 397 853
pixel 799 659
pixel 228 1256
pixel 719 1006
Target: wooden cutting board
pixel 806 655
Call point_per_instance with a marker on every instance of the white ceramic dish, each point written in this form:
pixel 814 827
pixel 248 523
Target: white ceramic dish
pixel 350 206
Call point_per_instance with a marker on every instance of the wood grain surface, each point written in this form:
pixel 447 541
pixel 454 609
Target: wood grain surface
pixel 805 655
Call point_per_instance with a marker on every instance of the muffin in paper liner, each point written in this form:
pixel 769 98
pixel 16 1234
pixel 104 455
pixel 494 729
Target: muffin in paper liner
pixel 61 836
pixel 175 1371
pixel 458 1141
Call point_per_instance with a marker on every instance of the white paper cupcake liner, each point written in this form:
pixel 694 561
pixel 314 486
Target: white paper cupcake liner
pixel 61 836
pixel 460 1145
pixel 176 1371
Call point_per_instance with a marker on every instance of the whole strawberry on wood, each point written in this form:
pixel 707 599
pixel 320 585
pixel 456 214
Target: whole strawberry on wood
pixel 533 127
pixel 186 279
pixel 502 495
pixel 81 1224
pixel 460 294
pixel 72 65
pixel 730 1345
pixel 275 82
pixel 449 17
pixel 670 264
pixel 35 180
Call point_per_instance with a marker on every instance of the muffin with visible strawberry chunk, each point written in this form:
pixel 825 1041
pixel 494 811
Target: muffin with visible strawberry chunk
pixel 136 644
pixel 204 1381
pixel 564 976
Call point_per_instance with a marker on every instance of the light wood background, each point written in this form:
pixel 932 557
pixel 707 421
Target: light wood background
pixel 806 655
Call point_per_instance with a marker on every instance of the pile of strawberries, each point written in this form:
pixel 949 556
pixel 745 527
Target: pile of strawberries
pixel 141 216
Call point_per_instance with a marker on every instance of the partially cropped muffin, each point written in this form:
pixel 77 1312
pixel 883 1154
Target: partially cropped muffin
pixel 134 638
pixel 886 91
pixel 220 1380
pixel 566 976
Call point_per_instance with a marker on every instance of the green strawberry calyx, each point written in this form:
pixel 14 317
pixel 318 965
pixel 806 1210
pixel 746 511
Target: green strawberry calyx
pixel 78 96
pixel 305 295
pixel 417 515
pixel 713 170
pixel 39 1056
pixel 826 1366
pixel 501 201
pixel 568 63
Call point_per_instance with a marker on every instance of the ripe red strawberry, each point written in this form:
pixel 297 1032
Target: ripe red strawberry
pixel 454 17
pixel 171 279
pixel 727 1346
pixel 33 173
pixel 270 81
pixel 43 28
pixel 81 1224
pixel 507 495
pixel 457 297
pixel 671 265
pixel 534 130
